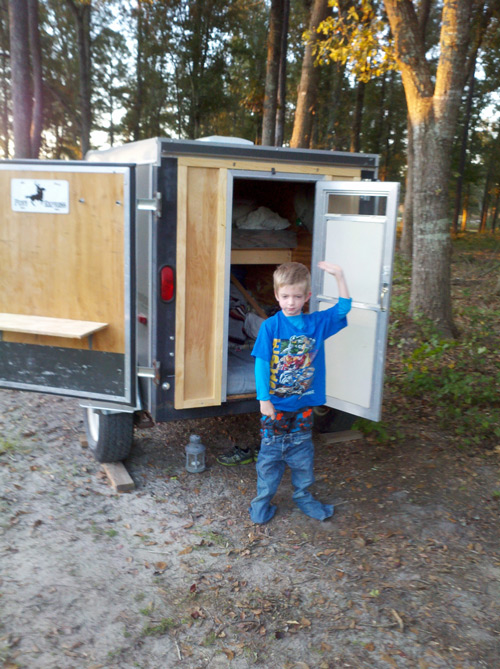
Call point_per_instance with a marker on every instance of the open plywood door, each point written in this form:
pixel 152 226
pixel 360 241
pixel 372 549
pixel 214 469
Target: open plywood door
pixel 67 304
pixel 202 267
pixel 355 227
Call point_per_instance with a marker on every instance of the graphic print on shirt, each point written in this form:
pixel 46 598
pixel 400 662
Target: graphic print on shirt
pixel 291 365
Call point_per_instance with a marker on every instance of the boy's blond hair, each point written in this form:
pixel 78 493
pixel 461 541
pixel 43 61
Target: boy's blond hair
pixel 291 274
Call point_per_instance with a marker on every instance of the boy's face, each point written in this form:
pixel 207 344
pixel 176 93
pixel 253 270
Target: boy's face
pixel 292 298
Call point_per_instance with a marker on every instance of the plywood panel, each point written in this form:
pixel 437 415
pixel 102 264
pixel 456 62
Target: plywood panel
pixel 333 171
pixel 55 327
pixel 68 266
pixel 200 285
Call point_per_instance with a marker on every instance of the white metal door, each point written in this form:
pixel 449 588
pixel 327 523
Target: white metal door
pixel 355 227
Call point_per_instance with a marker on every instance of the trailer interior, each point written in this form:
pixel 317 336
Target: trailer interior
pixel 271 223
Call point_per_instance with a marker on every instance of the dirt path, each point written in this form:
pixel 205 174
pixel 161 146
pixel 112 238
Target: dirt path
pixel 406 574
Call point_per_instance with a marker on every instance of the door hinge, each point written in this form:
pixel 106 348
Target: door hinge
pixel 150 372
pixel 150 204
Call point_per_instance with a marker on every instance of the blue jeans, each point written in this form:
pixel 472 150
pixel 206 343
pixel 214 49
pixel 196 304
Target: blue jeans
pixel 297 451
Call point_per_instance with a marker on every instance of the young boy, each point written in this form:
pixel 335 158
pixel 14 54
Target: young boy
pixel 290 377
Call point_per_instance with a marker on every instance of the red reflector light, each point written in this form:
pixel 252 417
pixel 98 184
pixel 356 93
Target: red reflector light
pixel 167 284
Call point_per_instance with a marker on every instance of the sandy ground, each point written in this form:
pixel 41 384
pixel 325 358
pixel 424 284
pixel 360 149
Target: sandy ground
pixel 406 574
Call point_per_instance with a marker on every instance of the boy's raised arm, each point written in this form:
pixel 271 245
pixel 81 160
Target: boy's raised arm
pixel 338 273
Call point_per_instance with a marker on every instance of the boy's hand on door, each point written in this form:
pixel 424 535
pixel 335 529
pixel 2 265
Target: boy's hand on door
pixel 335 270
pixel 338 273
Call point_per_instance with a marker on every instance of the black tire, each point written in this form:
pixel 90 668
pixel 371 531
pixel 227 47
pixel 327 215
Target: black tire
pixel 109 435
pixel 332 420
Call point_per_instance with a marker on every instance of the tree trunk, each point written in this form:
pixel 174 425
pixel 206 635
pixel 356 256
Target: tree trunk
pixel 308 87
pixel 465 210
pixel 136 115
pixel 81 11
pixel 111 132
pixel 489 182
pixel 379 118
pixel 197 66
pixel 433 102
pixel 358 117
pixel 485 203
pixel 388 122
pixel 431 285
pixel 383 130
pixel 463 150
pixel 406 245
pixel 281 102
pixel 334 136
pixel 36 65
pixel 494 218
pixel 20 77
pixel 5 106
pixel 272 73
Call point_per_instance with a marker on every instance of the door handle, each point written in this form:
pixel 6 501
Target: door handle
pixel 383 293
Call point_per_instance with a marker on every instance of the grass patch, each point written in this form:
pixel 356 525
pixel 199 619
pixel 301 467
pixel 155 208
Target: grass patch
pixel 160 627
pixel 209 640
pixel 379 432
pixel 6 446
pixel 211 538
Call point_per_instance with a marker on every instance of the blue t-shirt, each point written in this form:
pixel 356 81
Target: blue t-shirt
pixel 293 349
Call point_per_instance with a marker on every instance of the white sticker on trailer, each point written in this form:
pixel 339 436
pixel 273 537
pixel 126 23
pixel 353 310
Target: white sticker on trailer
pixel 39 196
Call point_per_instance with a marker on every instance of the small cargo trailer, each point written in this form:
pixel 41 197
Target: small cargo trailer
pixel 135 280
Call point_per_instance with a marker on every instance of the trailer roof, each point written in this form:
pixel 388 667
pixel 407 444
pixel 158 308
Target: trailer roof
pixel 152 150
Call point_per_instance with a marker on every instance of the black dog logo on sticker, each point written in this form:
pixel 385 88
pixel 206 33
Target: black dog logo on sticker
pixel 38 195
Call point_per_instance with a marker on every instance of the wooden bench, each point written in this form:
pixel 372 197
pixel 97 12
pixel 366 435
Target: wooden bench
pixel 50 327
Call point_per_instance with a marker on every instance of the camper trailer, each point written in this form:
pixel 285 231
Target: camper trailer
pixel 136 280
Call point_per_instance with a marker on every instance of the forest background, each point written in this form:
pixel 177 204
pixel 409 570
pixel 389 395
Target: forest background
pixel 415 82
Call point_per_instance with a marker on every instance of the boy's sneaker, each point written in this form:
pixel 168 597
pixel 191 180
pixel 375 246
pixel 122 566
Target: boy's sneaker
pixel 256 454
pixel 237 456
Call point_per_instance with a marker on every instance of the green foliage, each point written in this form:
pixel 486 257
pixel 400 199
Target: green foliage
pixel 357 34
pixel 472 243
pixel 402 269
pixel 159 628
pixel 379 432
pixel 355 46
pixel 451 384
pixel 6 446
pixel 457 379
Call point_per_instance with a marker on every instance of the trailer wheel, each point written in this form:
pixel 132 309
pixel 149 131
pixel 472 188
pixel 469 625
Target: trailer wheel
pixel 332 420
pixel 109 435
